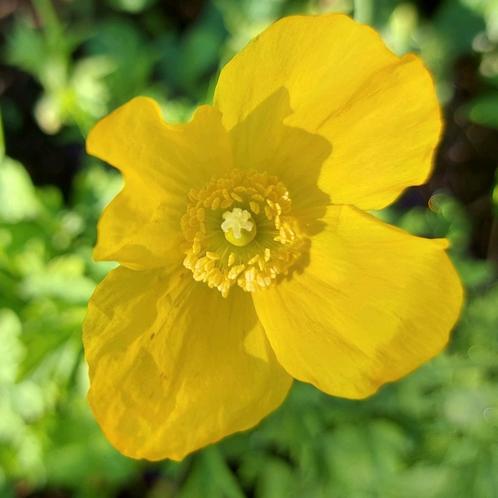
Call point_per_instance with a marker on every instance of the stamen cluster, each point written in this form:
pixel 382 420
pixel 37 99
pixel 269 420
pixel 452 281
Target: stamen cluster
pixel 270 254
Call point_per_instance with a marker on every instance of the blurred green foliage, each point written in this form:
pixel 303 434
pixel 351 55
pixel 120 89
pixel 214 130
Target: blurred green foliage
pixel 434 434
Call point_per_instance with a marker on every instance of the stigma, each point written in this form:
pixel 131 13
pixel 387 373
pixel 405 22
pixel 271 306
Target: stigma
pixel 239 227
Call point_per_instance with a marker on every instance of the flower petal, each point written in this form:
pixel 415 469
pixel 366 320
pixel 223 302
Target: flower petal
pixel 174 366
pixel 386 139
pixel 379 112
pixel 140 228
pixel 372 304
pixel 294 155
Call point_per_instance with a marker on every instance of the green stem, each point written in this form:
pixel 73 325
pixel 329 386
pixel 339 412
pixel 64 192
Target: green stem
pixel 49 19
pixel 363 11
pixel 2 139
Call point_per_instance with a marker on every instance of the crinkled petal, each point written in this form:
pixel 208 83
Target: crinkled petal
pixel 372 304
pixel 174 366
pixel 378 111
pixel 141 227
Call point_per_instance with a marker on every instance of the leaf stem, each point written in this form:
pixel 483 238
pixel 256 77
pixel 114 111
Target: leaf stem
pixel 2 138
pixel 363 11
pixel 46 12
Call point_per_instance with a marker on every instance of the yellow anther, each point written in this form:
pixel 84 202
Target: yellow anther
pixel 254 207
pixel 235 271
pixel 222 222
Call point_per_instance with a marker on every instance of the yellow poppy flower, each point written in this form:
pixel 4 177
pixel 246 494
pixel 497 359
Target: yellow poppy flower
pixel 246 256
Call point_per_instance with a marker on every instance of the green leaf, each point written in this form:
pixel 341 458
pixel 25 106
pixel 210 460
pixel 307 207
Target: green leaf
pixel 484 110
pixel 63 278
pixel 2 138
pixel 11 348
pixel 18 199
pixel 132 6
pixel 276 479
pixel 210 477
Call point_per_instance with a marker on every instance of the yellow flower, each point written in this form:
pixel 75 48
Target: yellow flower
pixel 246 255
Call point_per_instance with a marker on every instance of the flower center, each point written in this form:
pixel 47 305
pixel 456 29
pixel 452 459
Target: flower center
pixel 239 230
pixel 239 227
